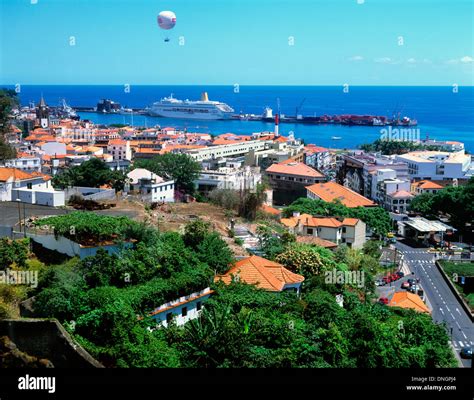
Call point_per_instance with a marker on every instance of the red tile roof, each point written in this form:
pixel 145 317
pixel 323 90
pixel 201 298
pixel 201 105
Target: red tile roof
pixel 263 273
pixel 331 191
pixel 290 167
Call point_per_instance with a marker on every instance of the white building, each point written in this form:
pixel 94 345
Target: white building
pixel 228 178
pixel 25 163
pixel 32 188
pixel 349 231
pixel 151 186
pixel 181 310
pixel 437 165
pixel 119 149
pixel 53 148
pixel 228 150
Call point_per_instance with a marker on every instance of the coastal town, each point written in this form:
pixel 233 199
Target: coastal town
pixel 186 230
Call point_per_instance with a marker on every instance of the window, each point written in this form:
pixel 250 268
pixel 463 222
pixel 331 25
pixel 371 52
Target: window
pixel 309 231
pixel 198 306
pixel 29 186
pixel 169 318
pixel 344 229
pixel 184 311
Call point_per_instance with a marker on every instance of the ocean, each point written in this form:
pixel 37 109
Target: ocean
pixel 442 114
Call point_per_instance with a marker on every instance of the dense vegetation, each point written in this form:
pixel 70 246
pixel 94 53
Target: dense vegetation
pixel 390 147
pixel 455 202
pixel 179 167
pixel 455 270
pixel 376 218
pixel 8 100
pixel 92 173
pixel 84 227
pixel 245 202
pixel 99 298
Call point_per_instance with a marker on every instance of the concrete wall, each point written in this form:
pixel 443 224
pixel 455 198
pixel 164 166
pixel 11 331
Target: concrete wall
pixel 46 338
pixel 90 193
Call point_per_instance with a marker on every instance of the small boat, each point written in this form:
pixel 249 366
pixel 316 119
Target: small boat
pixel 336 137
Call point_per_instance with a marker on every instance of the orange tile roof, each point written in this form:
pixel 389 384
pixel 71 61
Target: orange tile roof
pixel 400 194
pixel 408 300
pixel 425 184
pixel 44 176
pixel 350 221
pixel 331 191
pixel 263 273
pixel 15 174
pixel 308 220
pixel 117 142
pixel 294 168
pixel 270 210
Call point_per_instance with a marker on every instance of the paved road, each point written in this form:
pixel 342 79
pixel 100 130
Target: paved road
pixel 445 305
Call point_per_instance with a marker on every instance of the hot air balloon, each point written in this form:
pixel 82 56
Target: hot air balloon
pixel 166 20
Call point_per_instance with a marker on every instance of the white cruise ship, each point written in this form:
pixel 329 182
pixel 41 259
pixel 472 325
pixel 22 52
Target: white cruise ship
pixel 170 107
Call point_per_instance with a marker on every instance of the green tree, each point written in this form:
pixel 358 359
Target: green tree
pixel 91 173
pixel 179 167
pixel 215 252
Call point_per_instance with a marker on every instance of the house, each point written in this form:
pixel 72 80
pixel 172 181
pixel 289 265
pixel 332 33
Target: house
pixel 425 186
pixel 25 162
pixel 331 191
pixel 398 202
pixel 289 179
pixel 151 186
pixel 120 149
pixel 437 165
pixel 181 310
pixel 262 273
pixel 408 300
pixel 351 231
pixel 32 188
pixel 246 178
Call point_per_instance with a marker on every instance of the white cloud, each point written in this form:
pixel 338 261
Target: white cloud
pixel 383 60
pixel 356 58
pixel 411 61
pixel 463 60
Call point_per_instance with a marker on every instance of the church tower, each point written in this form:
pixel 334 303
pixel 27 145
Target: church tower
pixel 42 113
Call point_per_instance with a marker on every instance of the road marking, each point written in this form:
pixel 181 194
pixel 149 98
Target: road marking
pixel 442 312
pixel 461 344
pixel 465 337
pixel 448 308
pixel 457 323
pixel 457 309
pixel 455 318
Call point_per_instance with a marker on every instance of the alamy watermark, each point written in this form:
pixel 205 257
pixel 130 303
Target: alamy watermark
pixel 335 276
pixel 14 277
pixel 400 134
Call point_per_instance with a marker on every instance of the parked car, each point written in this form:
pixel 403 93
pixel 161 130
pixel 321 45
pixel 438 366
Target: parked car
pixel 414 288
pixel 400 274
pixel 411 281
pixel 387 279
pixel 466 352
pixel 379 282
pixel 406 285
pixel 383 300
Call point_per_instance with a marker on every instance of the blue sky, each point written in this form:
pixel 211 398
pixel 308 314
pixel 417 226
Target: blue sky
pixel 238 41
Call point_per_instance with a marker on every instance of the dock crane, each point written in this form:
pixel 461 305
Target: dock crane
pixel 299 107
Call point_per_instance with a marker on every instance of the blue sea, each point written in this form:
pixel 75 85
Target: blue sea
pixel 441 113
